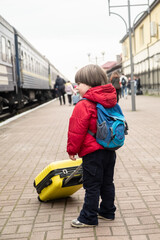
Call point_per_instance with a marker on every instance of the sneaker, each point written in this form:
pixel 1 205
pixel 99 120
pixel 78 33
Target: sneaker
pixel 104 218
pixel 78 224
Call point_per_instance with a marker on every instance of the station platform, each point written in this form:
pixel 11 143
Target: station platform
pixel 32 141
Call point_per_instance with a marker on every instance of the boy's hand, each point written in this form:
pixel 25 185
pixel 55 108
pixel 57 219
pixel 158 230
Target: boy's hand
pixel 72 157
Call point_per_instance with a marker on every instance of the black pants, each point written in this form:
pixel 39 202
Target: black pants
pixel 98 171
pixel 61 95
pixel 69 98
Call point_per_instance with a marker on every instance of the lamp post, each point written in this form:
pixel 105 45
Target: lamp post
pixel 129 32
pixel 96 58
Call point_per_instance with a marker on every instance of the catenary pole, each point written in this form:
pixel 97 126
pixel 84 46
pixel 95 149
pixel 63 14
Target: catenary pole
pixel 131 59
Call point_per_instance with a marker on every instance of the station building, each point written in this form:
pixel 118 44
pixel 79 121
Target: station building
pixel 145 49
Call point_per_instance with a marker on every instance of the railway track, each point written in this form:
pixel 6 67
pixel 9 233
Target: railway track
pixel 6 115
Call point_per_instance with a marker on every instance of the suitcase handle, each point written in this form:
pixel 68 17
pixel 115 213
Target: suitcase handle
pixel 72 175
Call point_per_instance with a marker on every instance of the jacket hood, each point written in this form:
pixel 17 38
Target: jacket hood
pixel 105 95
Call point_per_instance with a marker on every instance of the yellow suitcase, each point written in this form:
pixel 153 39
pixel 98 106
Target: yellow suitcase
pixel 59 180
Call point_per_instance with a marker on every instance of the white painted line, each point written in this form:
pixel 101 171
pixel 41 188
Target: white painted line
pixel 22 114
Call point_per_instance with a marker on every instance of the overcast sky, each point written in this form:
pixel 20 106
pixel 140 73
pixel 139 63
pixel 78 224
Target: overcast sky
pixel 65 31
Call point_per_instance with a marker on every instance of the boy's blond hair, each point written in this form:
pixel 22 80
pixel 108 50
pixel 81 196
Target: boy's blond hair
pixel 91 75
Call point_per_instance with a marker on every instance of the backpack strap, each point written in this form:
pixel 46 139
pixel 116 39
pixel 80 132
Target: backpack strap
pixel 91 133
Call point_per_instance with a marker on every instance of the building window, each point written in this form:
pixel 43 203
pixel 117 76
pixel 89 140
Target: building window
pixel 125 50
pixel 4 56
pixel 141 35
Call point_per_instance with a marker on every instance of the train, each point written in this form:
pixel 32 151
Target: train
pixel 25 74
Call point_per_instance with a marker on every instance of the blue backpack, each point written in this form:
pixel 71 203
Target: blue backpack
pixel 111 127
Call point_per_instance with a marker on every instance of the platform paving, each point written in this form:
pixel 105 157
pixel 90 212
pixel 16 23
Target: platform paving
pixel 31 142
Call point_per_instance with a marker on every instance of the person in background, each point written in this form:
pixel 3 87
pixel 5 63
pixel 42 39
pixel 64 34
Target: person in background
pixel 138 84
pixel 115 80
pixel 69 91
pixel 76 96
pixel 129 86
pixel 98 163
pixel 135 85
pixel 60 88
pixel 139 87
pixel 124 83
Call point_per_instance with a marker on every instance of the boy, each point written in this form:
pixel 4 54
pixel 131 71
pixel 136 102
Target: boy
pixel 98 163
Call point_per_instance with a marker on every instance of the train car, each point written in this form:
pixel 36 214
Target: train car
pixel 32 71
pixel 25 74
pixel 8 83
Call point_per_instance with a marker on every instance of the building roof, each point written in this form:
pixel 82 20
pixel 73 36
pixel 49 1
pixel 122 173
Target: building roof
pixel 109 65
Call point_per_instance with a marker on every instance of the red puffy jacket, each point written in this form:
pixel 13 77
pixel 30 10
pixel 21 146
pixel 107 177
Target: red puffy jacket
pixel 84 117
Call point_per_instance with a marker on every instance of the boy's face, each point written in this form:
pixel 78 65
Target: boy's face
pixel 82 88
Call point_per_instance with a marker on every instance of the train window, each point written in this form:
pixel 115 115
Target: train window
pixel 9 51
pixel 22 55
pixel 19 50
pixel 45 73
pixel 4 56
pixel 32 64
pixel 25 60
pixel 43 69
pixel 34 70
pixel 38 68
pixel 35 66
pixel 12 49
pixel 29 63
pixel 22 59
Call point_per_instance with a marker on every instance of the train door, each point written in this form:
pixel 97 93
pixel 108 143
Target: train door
pixel 18 60
pixel 20 57
pixel 6 65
